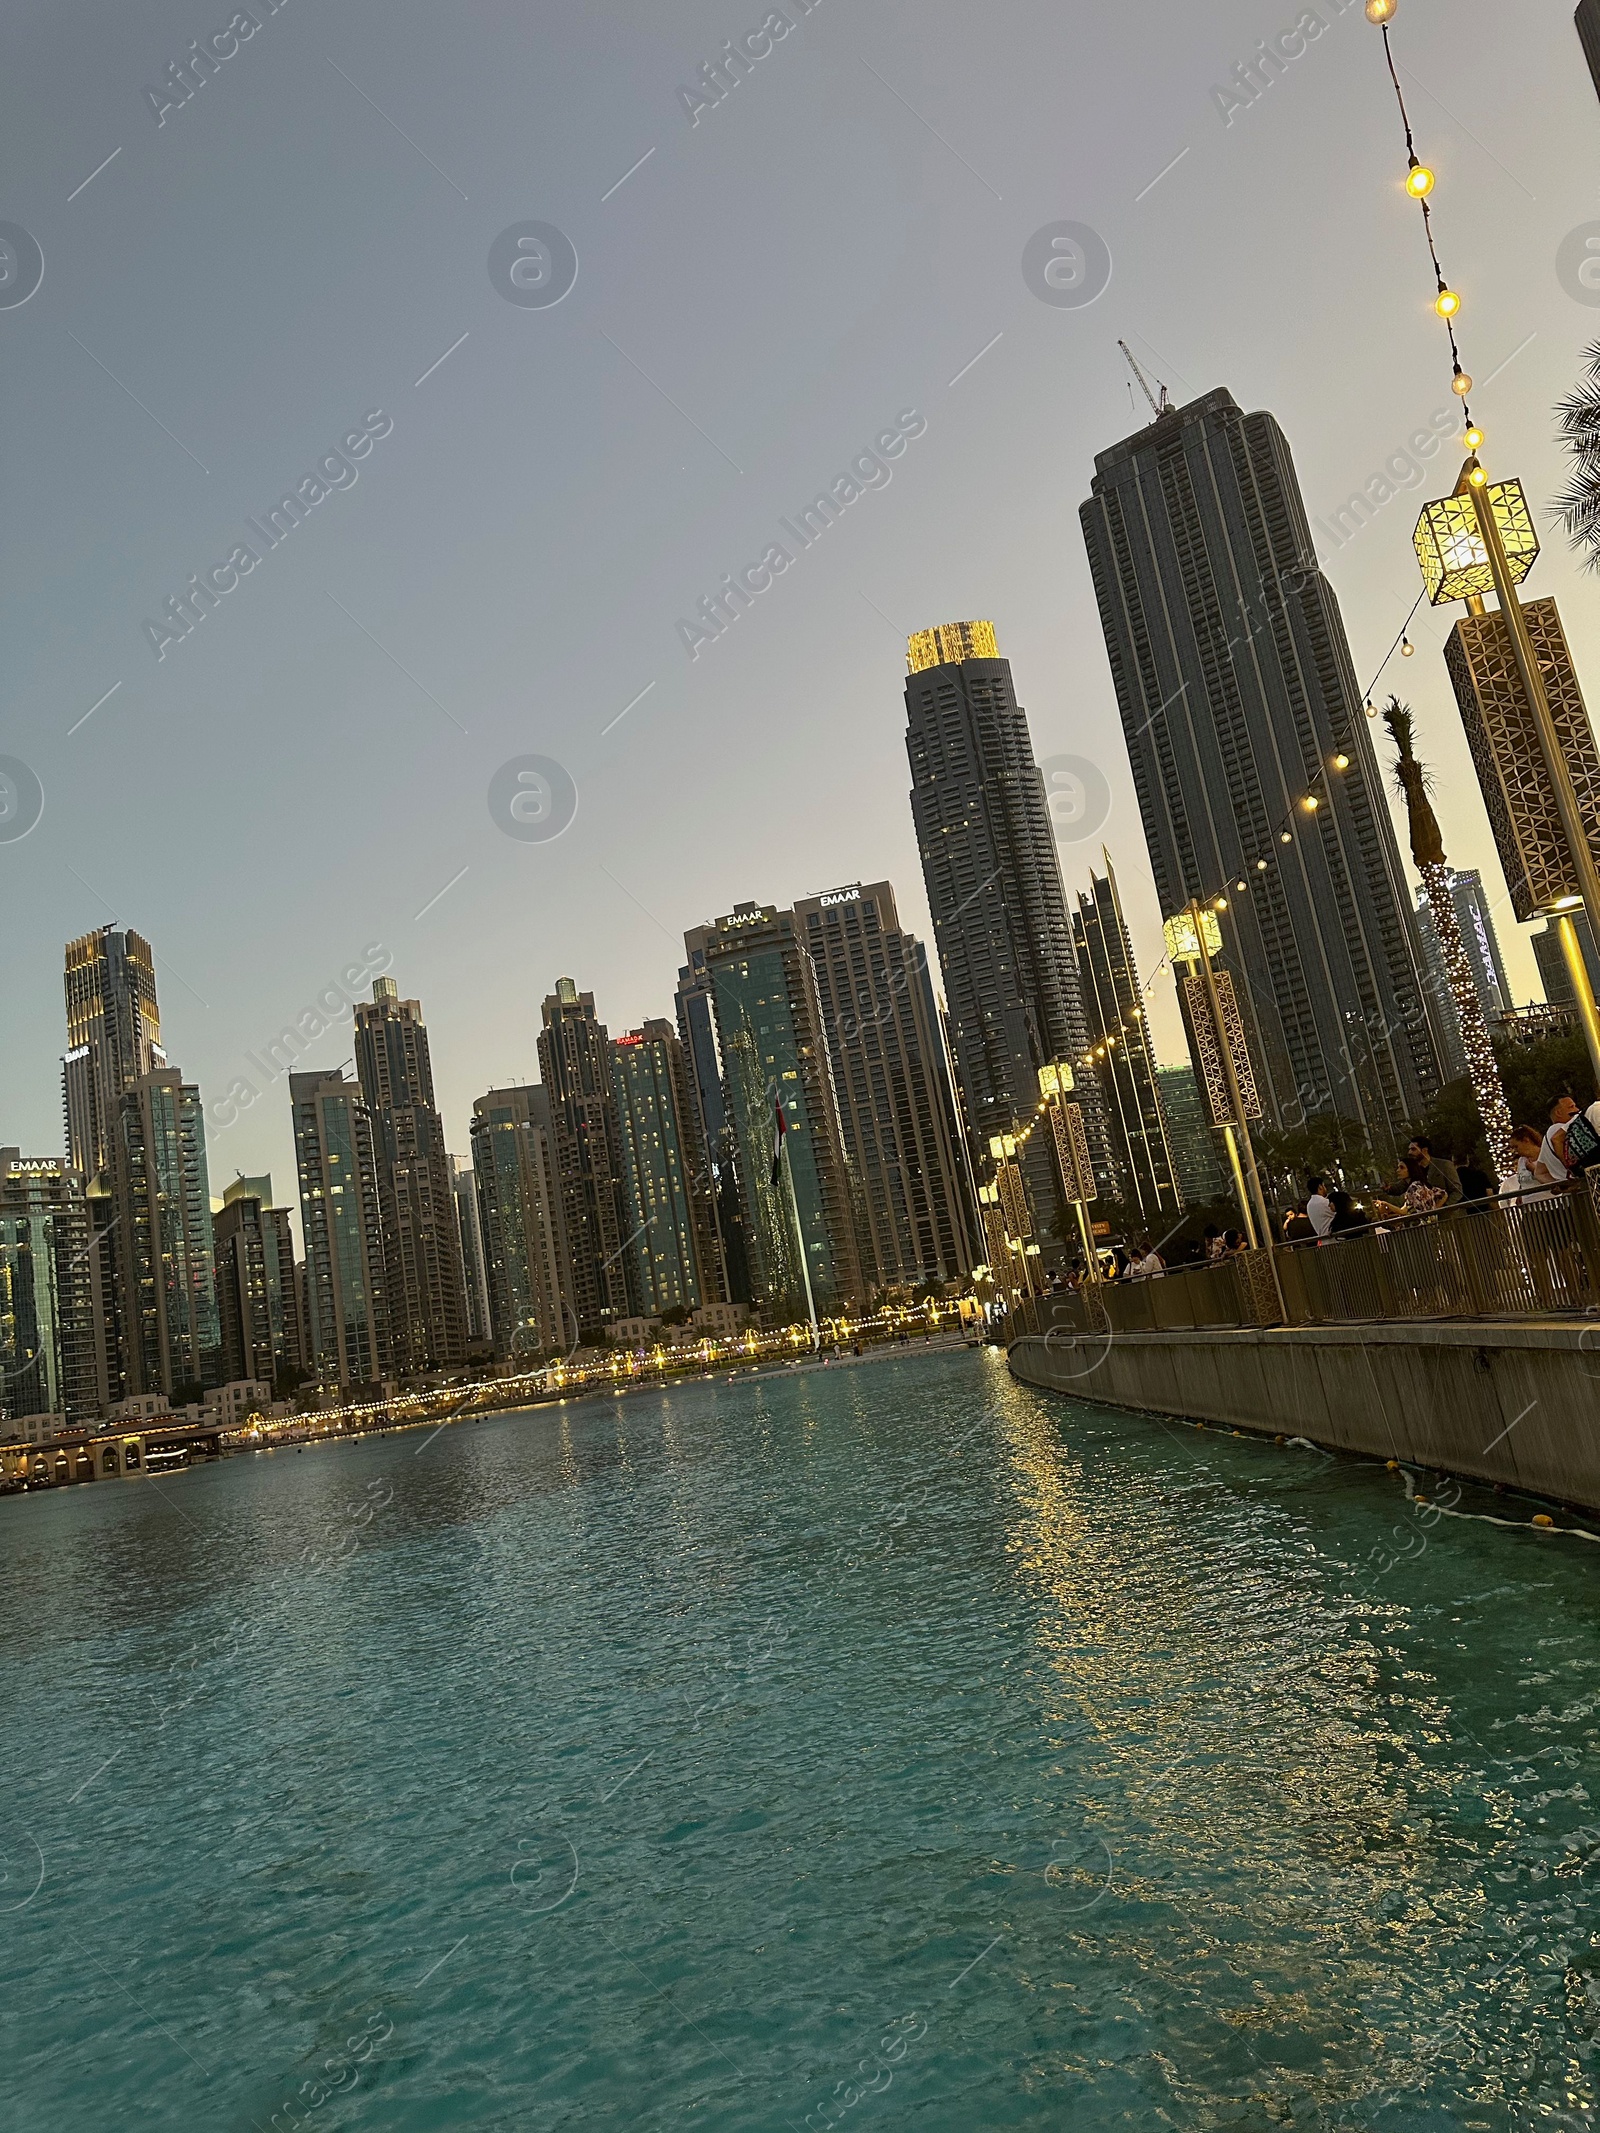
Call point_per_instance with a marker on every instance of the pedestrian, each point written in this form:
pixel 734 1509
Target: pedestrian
pixel 1476 1184
pixel 1146 1262
pixel 1319 1208
pixel 1298 1227
pixel 1553 1148
pixel 1524 1176
pixel 1346 1215
pixel 1212 1242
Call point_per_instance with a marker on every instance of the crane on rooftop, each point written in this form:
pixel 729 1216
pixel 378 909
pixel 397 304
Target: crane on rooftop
pixel 1157 408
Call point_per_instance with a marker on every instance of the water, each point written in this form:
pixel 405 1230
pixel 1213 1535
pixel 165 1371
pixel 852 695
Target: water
pixel 880 1746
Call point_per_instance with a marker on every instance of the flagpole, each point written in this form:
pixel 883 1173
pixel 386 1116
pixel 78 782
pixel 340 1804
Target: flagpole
pixel 800 1239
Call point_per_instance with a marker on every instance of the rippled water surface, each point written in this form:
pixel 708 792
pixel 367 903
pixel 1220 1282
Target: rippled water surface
pixel 887 1745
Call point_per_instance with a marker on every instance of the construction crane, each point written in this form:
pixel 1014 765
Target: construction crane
pixel 1157 408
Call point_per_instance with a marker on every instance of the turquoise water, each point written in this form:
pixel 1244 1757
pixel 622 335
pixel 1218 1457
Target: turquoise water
pixel 877 1746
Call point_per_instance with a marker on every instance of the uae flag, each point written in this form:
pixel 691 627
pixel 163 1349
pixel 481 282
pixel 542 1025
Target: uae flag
pixel 778 1131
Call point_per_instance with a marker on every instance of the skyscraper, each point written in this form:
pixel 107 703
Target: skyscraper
pixel 1553 974
pixel 994 889
pixel 161 1241
pixel 1119 1040
pixel 1587 20
pixel 725 1264
pixel 575 1064
pixel 659 1160
pixel 50 1360
pixel 1239 703
pixel 341 1226
pixel 469 1230
pixel 774 1050
pixel 258 1287
pixel 524 1230
pixel 113 1037
pixel 886 1047
pixel 423 1279
pixel 1197 1159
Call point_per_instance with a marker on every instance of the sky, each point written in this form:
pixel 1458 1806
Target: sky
pixel 318 245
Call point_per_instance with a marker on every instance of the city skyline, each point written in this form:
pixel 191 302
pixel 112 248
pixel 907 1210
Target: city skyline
pixel 278 683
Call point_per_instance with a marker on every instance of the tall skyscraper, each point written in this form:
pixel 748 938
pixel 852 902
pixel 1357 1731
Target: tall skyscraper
pixel 520 1199
pixel 341 1226
pixel 469 1230
pixel 886 1047
pixel 1119 1040
pixel 50 1359
pixel 725 1264
pixel 659 1157
pixel 423 1278
pixel 162 1248
pixel 575 1064
pixel 1238 701
pixel 774 1050
pixel 1197 1157
pixel 258 1286
pixel 113 1038
pixel 1587 20
pixel 994 889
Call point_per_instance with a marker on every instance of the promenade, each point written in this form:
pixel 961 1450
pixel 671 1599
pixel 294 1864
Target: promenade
pixel 1467 1342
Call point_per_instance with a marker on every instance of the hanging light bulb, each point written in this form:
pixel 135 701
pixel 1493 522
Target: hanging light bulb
pixel 1241 886
pixel 1461 383
pixel 1381 10
pixel 1310 803
pixel 1341 762
pixel 1473 439
pixel 1284 837
pixel 1446 303
pixel 1407 648
pixel 1221 904
pixel 1477 476
pixel 1372 709
pixel 1419 180
pixel 1261 866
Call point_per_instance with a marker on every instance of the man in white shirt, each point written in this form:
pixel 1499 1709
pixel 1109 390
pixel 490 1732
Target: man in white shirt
pixel 1553 1150
pixel 1319 1208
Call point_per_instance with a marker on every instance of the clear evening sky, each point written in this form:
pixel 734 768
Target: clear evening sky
pixel 277 263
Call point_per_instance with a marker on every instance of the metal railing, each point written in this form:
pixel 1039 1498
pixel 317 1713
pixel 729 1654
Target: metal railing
pixel 1521 1256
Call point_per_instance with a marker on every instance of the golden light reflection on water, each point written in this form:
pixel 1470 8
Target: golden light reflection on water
pixel 1297 1890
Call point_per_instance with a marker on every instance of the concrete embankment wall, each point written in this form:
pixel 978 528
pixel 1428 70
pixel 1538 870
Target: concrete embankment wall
pixel 1517 1403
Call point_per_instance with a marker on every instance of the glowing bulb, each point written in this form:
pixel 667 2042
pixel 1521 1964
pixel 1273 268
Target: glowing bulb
pixel 1372 709
pixel 1310 803
pixel 1447 303
pixel 1241 885
pixel 1407 648
pixel 1221 904
pixel 1419 180
pixel 1341 762
pixel 1285 838
pixel 1477 476
pixel 1261 866
pixel 1473 438
pixel 1461 384
pixel 1381 10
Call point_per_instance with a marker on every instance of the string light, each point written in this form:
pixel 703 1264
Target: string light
pixel 1285 838
pixel 1310 803
pixel 1261 866
pixel 1419 180
pixel 1473 438
pixel 1407 649
pixel 1447 303
pixel 1341 762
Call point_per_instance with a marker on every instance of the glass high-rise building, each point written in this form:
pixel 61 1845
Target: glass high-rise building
pixel 258 1285
pixel 774 1051
pixel 423 1279
pixel 660 1160
pixel 1197 1157
pixel 162 1248
pixel 113 1038
pixel 994 888
pixel 575 1065
pixel 886 1047
pixel 1587 21
pixel 1119 1043
pixel 520 1200
pixel 469 1232
pixel 725 1264
pixel 1239 703
pixel 341 1228
pixel 51 1360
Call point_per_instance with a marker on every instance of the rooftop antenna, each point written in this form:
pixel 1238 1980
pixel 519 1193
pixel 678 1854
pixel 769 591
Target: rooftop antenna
pixel 1157 408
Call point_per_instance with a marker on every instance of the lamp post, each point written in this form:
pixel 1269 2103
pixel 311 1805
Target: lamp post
pixel 1056 1081
pixel 1192 938
pixel 1462 544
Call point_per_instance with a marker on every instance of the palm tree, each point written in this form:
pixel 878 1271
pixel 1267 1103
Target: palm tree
pixel 1579 502
pixel 1427 850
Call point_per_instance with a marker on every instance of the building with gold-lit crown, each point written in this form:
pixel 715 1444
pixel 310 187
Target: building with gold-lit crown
pixel 999 911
